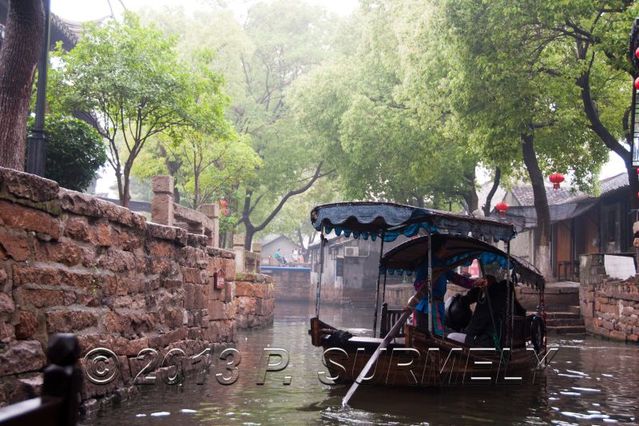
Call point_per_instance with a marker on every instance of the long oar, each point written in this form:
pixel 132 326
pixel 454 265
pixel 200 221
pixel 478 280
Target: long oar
pixel 393 331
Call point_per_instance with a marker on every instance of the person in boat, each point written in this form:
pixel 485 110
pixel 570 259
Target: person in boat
pixel 279 257
pixel 484 328
pixel 419 302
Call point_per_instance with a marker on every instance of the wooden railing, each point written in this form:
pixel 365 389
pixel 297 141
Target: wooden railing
pixel 389 318
pixel 59 403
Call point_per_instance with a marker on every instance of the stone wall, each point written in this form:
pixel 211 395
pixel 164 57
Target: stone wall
pixel 609 307
pixel 293 283
pixel 74 263
pixel 254 298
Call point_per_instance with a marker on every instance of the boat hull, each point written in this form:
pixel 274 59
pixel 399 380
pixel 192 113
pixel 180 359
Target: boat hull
pixel 421 360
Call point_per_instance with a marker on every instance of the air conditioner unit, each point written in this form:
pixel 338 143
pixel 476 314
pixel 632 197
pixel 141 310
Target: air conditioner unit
pixel 351 251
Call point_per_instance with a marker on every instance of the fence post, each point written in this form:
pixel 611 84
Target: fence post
pixel 63 377
pixel 238 248
pixel 257 249
pixel 162 202
pixel 212 211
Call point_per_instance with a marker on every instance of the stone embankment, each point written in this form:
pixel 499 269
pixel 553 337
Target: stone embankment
pixel 610 308
pixel 70 262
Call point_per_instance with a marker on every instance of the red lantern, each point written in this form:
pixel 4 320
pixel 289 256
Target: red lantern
pixel 224 206
pixel 501 208
pixel 637 53
pixel 637 83
pixel 556 179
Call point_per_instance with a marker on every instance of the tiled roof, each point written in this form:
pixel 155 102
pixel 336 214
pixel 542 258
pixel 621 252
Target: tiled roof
pixel 614 182
pixel 524 193
pixel 525 197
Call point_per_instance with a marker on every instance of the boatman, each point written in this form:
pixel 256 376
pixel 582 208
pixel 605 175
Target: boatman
pixel 419 302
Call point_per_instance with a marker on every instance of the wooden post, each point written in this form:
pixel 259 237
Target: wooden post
pixel 61 386
pixel 162 202
pixel 63 377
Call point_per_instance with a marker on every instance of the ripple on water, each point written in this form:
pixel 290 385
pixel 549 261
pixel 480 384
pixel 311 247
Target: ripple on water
pixel 582 416
pixel 160 414
pixel 579 373
pixel 586 389
pixel 567 397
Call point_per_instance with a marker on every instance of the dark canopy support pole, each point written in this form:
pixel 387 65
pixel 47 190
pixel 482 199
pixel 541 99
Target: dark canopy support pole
pixel 321 273
pixel 429 284
pixel 379 275
pixel 384 288
pixel 511 295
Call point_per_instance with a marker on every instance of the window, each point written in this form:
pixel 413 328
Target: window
pixel 339 267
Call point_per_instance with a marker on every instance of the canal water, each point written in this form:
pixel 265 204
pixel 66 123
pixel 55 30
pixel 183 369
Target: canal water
pixel 590 381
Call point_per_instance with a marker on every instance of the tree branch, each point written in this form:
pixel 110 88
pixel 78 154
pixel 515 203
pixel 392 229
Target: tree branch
pixel 318 174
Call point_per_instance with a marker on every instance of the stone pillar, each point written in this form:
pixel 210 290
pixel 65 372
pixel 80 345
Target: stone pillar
pixel 238 248
pixel 212 211
pixel 257 249
pixel 162 203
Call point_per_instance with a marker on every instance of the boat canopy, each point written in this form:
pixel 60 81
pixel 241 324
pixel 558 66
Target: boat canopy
pixel 460 251
pixel 389 220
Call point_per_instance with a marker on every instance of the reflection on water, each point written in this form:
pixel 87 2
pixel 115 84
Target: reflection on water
pixel 590 381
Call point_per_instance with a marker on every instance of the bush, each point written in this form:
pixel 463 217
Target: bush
pixel 75 152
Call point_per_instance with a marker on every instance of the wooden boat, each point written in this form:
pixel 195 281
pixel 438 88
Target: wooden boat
pixel 418 356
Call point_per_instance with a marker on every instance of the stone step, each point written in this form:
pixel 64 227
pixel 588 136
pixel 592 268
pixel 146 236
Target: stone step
pixel 562 315
pixel 567 329
pixel 575 309
pixel 557 322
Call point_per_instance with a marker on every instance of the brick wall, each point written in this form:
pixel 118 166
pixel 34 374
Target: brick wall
pixel 609 307
pixel 74 263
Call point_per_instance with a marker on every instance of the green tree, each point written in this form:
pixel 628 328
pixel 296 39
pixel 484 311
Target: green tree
pixel 205 168
pixel 366 117
pixel 75 152
pixel 518 108
pixel 261 60
pixel 595 40
pixel 129 78
pixel 288 38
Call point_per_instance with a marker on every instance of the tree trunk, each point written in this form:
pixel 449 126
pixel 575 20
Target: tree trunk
pixel 470 196
pixel 611 142
pixel 542 232
pixel 491 193
pixel 196 191
pixel 633 181
pixel 248 237
pixel 251 229
pixel 125 197
pixel 18 59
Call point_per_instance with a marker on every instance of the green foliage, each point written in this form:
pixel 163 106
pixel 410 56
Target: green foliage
pixel 129 78
pixel 75 152
pixel 205 168
pixel 261 60
pixel 388 139
pixel 515 75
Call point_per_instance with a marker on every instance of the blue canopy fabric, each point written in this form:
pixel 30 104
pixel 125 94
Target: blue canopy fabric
pixel 459 251
pixel 390 220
